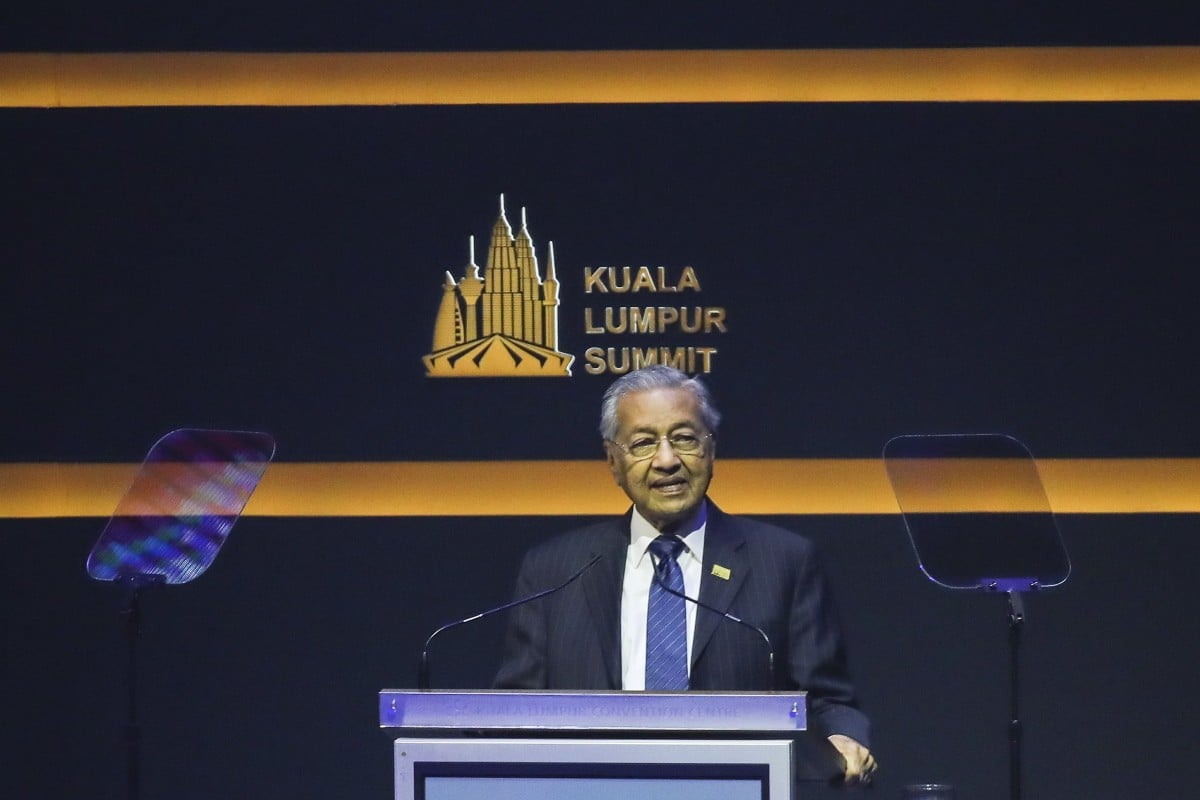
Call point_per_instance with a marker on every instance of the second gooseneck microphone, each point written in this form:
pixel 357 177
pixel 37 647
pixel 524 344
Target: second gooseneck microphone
pixel 423 664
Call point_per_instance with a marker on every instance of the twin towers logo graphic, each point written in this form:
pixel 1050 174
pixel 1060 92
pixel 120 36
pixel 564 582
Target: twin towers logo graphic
pixel 503 322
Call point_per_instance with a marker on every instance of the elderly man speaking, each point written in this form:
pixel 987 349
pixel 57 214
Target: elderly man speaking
pixel 623 625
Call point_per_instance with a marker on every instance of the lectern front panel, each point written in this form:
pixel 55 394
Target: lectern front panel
pixel 592 769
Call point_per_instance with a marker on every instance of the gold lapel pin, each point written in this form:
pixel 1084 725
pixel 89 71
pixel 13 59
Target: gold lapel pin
pixel 721 572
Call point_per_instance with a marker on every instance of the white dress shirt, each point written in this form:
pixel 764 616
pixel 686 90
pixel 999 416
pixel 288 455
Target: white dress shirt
pixel 635 591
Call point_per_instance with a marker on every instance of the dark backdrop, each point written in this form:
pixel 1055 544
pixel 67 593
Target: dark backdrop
pixel 886 269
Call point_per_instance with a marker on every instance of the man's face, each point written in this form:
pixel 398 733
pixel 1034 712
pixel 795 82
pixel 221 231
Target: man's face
pixel 668 486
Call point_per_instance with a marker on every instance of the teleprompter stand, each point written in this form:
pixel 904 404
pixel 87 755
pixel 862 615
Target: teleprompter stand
pixel 168 528
pixel 978 518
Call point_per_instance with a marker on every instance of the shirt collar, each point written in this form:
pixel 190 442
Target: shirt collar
pixel 691 531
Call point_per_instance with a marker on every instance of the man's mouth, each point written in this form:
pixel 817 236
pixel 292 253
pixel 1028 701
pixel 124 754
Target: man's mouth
pixel 669 485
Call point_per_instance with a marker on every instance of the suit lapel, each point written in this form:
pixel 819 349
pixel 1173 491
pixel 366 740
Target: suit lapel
pixel 602 588
pixel 723 549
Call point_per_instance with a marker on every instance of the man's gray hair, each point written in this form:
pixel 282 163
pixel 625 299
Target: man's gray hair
pixel 655 376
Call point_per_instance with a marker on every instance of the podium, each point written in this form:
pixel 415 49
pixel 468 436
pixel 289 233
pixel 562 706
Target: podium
pixel 602 745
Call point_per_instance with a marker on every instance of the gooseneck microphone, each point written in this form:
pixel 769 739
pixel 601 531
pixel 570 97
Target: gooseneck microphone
pixel 726 615
pixel 423 664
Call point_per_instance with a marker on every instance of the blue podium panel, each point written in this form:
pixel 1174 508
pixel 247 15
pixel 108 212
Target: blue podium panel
pixel 770 714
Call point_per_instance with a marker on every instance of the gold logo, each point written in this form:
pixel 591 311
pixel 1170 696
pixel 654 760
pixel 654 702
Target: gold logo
pixel 503 323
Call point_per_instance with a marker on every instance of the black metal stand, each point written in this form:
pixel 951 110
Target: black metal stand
pixel 1016 617
pixel 131 610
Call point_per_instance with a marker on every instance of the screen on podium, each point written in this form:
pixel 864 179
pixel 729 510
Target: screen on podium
pixel 591 769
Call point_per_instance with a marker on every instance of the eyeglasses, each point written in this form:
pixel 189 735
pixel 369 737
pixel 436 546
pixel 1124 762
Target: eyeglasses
pixel 684 443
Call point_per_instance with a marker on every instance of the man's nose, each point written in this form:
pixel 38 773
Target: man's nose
pixel 665 456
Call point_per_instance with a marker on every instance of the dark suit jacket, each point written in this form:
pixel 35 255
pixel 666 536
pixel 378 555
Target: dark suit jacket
pixel 571 639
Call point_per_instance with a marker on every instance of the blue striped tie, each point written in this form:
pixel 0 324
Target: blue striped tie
pixel 666 620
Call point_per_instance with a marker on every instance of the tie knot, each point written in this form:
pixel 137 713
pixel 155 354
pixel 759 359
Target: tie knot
pixel 667 547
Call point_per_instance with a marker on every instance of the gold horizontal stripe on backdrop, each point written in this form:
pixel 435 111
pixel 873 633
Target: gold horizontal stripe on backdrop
pixel 569 488
pixel 1020 74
